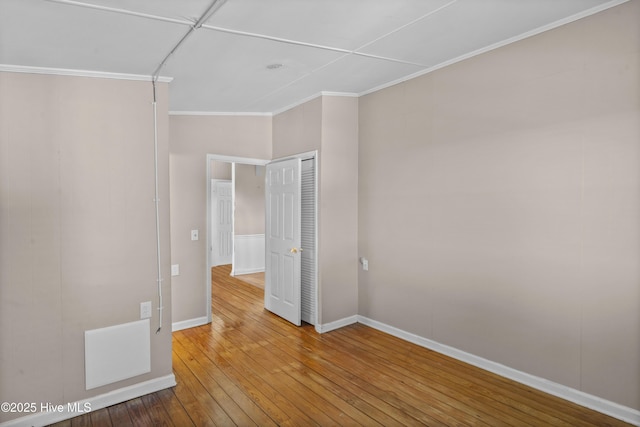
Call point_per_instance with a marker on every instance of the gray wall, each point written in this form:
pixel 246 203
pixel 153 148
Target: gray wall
pixel 499 205
pixel 77 227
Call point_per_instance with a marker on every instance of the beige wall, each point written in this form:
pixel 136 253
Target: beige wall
pixel 298 130
pixel 499 205
pixel 496 199
pixel 249 200
pixel 191 139
pixel 338 209
pixel 220 170
pixel 77 227
pixel 330 125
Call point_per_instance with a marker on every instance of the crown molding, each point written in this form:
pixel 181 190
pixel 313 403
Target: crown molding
pixel 217 113
pixel 79 73
pixel 342 94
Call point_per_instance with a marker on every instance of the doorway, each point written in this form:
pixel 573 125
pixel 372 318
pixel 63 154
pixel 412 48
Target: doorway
pixel 309 229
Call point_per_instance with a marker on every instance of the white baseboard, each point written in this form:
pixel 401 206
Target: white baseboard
pixel 327 327
pixel 190 323
pixel 604 406
pixel 240 272
pixel 73 409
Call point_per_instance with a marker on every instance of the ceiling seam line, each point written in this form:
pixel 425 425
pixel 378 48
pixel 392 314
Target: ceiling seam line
pixel 213 8
pixel 276 39
pixel 305 44
pixel 122 11
pixel 237 32
pixel 156 72
pixel 408 24
pixel 385 58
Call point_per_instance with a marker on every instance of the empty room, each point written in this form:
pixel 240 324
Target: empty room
pixel 197 201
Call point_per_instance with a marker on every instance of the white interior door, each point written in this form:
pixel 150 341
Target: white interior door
pixel 282 267
pixel 221 222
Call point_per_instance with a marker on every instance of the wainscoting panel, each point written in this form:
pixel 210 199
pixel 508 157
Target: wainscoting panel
pixel 248 254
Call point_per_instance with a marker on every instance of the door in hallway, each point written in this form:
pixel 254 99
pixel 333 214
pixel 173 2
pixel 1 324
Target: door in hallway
pixel 221 222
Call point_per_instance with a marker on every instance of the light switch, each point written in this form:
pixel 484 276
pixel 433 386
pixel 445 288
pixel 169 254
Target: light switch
pixel 175 269
pixel 194 234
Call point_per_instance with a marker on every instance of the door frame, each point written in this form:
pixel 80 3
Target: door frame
pixel 226 159
pixel 260 162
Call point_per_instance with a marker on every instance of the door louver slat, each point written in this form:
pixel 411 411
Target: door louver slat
pixel 308 237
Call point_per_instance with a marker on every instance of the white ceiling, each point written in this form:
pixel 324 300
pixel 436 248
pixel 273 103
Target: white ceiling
pixel 349 46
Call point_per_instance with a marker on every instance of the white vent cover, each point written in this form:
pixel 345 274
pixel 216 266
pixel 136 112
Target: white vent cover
pixel 116 353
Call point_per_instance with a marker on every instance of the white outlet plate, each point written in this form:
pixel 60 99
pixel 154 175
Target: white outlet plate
pixel 145 310
pixel 194 234
pixel 175 269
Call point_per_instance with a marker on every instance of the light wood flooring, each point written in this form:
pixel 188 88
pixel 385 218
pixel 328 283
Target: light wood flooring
pixel 251 368
pixel 255 279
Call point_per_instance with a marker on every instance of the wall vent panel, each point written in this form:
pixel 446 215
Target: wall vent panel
pixel 116 353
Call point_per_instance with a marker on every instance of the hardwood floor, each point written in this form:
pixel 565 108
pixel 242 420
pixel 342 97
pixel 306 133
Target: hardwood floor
pixel 255 279
pixel 251 368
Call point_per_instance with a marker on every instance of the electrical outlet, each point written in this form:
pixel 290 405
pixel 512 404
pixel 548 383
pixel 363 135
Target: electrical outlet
pixel 175 269
pixel 365 263
pixel 145 310
pixel 194 234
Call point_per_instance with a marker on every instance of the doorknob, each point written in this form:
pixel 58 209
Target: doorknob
pixel 295 250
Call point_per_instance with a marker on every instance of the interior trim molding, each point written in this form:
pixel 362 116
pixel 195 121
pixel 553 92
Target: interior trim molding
pixel 236 159
pixel 79 73
pixel 604 406
pixel 337 324
pixel 217 113
pixel 343 94
pixel 189 323
pixel 73 409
